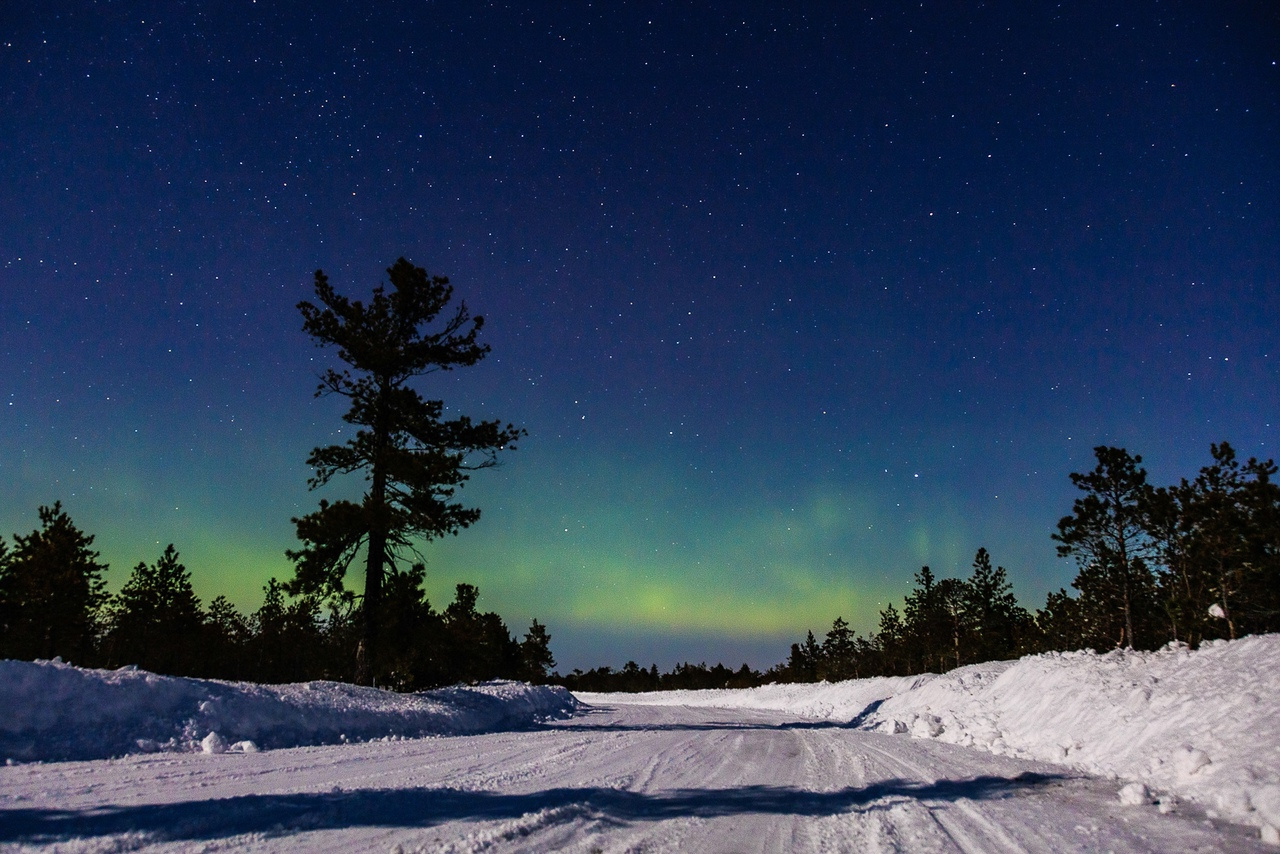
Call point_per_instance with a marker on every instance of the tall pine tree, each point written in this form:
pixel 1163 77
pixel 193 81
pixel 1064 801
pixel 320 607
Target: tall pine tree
pixel 1231 544
pixel 413 458
pixel 1106 534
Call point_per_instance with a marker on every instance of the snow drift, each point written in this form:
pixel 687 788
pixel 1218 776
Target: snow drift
pixel 1202 725
pixel 53 711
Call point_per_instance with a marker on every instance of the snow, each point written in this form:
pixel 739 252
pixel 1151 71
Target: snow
pixel 53 711
pixel 1134 795
pixel 1198 725
pixel 1124 751
pixel 613 778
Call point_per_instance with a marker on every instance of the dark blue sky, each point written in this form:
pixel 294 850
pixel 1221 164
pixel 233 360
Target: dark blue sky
pixel 790 302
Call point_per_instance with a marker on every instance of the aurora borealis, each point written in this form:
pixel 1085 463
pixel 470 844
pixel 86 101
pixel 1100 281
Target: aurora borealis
pixel 790 303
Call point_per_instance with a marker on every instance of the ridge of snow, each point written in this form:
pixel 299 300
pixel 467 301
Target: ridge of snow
pixel 1201 725
pixel 54 711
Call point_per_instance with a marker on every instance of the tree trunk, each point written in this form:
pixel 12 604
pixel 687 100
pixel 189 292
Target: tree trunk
pixel 1128 618
pixel 367 651
pixel 1226 610
pixel 1126 580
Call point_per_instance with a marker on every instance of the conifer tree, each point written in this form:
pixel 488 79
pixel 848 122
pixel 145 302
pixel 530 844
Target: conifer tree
pixel 413 634
pixel 1060 624
pixel 287 644
pixel 892 640
pixel 1262 576
pixel 51 592
pixel 995 618
pixel 155 621
pixel 838 652
pixel 229 636
pixel 1228 546
pixel 803 664
pixel 955 622
pixel 536 659
pixel 413 458
pixel 1106 535
pixel 927 633
pixel 480 646
pixel 812 657
pixel 1183 592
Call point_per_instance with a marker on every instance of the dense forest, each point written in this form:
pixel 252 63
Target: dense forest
pixel 53 603
pixel 1191 562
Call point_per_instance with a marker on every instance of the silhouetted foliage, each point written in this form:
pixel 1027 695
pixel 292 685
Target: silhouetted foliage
pixel 51 592
pixel 1060 622
pixel 228 634
pixel 288 638
pixel 683 677
pixel 536 659
pixel 155 620
pixel 483 648
pixel 838 658
pixel 805 662
pixel 1106 534
pixel 998 627
pixel 944 623
pixel 926 625
pixel 413 633
pixel 53 603
pixel 1190 562
pixel 1217 539
pixel 892 642
pixel 413 458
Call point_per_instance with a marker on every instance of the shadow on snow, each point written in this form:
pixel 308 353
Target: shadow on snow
pixel 425 807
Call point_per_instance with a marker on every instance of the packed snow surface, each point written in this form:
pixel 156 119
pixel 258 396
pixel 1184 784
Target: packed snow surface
pixel 1201 725
pixel 53 711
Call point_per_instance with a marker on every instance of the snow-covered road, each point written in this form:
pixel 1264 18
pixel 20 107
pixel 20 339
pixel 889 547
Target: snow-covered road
pixel 614 778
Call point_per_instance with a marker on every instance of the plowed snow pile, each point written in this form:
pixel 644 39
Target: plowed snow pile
pixel 1202 725
pixel 55 711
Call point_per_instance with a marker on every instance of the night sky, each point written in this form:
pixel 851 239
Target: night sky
pixel 790 303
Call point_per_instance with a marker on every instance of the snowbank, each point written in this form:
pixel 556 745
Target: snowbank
pixel 54 711
pixel 1201 725
pixel 841 701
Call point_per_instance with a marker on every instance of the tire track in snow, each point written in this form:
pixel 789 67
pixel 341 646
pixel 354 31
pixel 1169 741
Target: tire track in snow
pixel 976 833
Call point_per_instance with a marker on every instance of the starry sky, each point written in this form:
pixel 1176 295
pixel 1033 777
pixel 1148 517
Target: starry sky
pixel 790 302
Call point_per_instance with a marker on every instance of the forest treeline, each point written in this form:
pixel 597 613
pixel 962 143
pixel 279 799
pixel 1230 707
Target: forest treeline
pixel 54 603
pixel 1191 562
pixel 1195 561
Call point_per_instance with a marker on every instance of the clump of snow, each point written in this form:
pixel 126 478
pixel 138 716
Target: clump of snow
pixel 1135 795
pixel 1202 725
pixel 213 743
pixel 53 711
